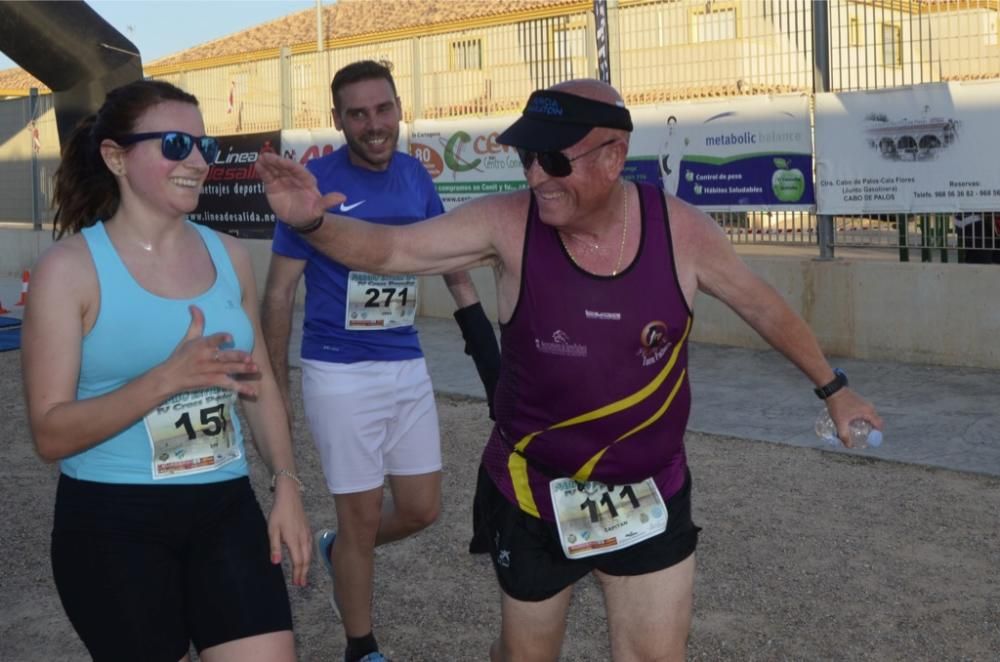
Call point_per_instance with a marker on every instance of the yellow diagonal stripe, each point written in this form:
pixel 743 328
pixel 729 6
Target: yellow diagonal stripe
pixel 518 466
pixel 583 474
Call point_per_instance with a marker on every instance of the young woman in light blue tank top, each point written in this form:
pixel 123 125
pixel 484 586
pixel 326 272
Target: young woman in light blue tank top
pixel 139 340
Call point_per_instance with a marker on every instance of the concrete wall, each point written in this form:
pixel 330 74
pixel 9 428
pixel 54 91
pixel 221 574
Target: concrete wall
pixel 943 314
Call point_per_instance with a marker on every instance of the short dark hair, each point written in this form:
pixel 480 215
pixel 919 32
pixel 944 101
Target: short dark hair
pixel 359 71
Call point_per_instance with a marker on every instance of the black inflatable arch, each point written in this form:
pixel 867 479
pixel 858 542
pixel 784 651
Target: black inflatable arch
pixel 70 48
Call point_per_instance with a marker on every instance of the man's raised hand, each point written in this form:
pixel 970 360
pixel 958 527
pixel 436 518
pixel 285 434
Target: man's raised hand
pixel 291 190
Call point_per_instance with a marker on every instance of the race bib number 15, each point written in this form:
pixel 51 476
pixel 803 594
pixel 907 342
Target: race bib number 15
pixel 192 433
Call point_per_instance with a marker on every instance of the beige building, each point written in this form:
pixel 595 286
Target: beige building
pixel 480 58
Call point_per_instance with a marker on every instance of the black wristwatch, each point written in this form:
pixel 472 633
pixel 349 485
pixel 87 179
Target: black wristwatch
pixel 839 382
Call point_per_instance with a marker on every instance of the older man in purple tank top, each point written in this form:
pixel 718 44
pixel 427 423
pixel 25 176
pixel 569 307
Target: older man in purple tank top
pixel 585 469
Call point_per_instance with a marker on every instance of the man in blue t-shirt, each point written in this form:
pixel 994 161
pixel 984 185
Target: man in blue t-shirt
pixel 365 388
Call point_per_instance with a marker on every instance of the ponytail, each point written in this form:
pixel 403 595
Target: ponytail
pixel 85 190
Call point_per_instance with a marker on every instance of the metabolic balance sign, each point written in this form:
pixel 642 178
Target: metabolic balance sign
pixel 736 155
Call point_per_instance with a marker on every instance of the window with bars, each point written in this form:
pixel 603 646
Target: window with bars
pixel 713 23
pixel 566 43
pixel 465 55
pixel 854 32
pixel 892 45
pixel 989 29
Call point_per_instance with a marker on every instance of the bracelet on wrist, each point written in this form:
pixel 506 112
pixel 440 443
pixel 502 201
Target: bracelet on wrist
pixel 310 227
pixel 288 474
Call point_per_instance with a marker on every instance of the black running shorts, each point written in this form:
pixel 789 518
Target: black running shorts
pixel 144 571
pixel 530 563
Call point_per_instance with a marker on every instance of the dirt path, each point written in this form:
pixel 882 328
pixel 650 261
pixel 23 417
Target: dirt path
pixel 805 555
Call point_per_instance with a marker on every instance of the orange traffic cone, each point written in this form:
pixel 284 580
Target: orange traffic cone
pixel 3 311
pixel 25 276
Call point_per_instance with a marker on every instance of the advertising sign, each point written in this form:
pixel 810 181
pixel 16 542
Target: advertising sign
pixel 232 198
pixel 464 158
pixel 733 155
pixel 926 148
pixel 306 144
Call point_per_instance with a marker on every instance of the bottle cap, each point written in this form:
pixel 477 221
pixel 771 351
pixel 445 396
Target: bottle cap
pixel 875 438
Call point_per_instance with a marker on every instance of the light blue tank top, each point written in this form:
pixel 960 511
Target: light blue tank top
pixel 136 330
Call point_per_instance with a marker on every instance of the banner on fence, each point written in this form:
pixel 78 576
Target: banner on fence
pixel 303 145
pixel 926 148
pixel 733 155
pixel 464 158
pixel 232 198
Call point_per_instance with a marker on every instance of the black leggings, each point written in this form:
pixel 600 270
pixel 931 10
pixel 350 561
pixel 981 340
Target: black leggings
pixel 143 571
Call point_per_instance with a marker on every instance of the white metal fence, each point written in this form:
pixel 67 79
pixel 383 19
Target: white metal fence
pixel 665 50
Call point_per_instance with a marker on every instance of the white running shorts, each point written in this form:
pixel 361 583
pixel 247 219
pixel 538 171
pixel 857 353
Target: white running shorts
pixel 369 419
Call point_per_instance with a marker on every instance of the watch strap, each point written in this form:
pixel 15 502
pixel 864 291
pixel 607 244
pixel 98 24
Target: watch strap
pixel 839 382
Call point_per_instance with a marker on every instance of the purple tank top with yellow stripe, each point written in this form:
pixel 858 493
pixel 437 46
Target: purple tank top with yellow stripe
pixel 593 382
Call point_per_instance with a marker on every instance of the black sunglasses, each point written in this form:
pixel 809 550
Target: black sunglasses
pixel 555 164
pixel 177 145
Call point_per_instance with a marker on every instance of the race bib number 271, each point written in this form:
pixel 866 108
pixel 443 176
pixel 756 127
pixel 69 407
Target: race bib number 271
pixel 377 302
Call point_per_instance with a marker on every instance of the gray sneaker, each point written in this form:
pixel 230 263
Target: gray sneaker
pixel 324 545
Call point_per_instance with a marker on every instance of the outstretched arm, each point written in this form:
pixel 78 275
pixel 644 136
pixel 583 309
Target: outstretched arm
pixel 717 270
pixel 460 239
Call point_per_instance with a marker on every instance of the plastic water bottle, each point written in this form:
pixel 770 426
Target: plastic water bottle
pixel 863 434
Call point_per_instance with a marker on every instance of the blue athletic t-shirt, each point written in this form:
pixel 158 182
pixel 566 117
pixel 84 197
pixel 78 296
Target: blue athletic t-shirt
pixel 400 195
pixel 193 437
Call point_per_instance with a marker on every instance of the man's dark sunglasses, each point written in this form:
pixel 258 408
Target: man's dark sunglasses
pixel 556 164
pixel 177 145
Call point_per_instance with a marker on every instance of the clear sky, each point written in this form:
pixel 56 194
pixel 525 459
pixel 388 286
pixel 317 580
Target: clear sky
pixel 191 22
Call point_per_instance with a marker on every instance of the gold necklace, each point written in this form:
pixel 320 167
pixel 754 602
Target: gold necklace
pixel 596 246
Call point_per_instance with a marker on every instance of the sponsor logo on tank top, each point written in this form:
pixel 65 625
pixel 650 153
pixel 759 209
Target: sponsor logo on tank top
pixel 601 315
pixel 561 346
pixel 654 342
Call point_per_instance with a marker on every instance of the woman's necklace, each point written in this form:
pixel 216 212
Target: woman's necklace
pixel 595 247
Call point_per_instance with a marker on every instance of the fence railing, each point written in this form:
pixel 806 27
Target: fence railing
pixel 664 50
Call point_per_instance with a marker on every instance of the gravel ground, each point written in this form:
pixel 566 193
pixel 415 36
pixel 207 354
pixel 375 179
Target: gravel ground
pixel 805 555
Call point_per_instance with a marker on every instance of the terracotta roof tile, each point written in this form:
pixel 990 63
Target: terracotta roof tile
pixel 345 19
pixel 353 18
pixel 19 79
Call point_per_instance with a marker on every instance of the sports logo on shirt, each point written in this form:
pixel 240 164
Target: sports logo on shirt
pixel 344 207
pixel 561 345
pixel 654 342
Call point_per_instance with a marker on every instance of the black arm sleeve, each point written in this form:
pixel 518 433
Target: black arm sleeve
pixel 481 345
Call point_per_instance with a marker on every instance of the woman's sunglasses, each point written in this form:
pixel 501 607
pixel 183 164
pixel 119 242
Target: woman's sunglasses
pixel 555 164
pixel 177 145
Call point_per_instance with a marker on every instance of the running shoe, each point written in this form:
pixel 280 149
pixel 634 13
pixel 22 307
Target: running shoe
pixel 374 657
pixel 324 545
